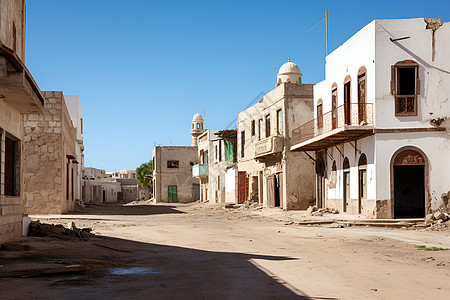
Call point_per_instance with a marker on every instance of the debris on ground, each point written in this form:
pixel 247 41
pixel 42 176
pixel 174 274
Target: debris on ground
pixel 14 246
pixel 437 221
pixel 39 229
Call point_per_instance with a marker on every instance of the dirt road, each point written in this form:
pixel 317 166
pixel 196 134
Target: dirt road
pixel 202 251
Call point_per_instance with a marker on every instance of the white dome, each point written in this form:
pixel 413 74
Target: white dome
pixel 289 68
pixel 289 73
pixel 197 117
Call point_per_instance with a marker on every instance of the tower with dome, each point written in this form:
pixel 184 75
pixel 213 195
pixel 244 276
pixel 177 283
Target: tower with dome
pixel 269 172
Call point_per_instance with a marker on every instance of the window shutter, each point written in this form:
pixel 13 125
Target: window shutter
pixel 393 81
pixel 417 82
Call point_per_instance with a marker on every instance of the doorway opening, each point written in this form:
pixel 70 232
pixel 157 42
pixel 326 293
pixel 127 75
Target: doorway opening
pixel 362 181
pixel 346 184
pixel 277 190
pixel 409 173
pixel 320 180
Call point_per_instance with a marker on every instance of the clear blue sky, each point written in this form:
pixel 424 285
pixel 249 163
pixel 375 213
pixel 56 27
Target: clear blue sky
pixel 144 68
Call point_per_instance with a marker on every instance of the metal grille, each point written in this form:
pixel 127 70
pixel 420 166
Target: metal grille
pixel 348 114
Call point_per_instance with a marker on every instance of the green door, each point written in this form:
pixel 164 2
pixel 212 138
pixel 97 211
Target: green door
pixel 173 194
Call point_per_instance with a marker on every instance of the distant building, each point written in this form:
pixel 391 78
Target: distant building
pixel 19 95
pixel 268 171
pixel 97 188
pixel 380 131
pixel 52 156
pixel 172 169
pixel 217 166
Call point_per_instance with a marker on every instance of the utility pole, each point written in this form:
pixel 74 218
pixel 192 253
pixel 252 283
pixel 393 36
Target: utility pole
pixel 326 22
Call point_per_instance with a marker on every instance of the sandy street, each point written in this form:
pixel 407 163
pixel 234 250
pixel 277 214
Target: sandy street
pixel 201 251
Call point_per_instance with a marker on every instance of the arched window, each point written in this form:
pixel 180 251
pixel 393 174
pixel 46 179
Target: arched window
pixel 405 86
pixel 362 93
pixel 320 113
pixel 198 125
pixel 347 99
pixel 346 164
pixel 362 160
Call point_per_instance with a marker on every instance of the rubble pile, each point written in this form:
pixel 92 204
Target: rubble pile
pixel 58 231
pixel 314 211
pixel 437 221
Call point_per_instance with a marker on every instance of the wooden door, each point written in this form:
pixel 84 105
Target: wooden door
pixel 334 109
pixel 362 98
pixel 173 197
pixel 242 186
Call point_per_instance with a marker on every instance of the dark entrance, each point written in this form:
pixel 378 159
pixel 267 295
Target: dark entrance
pixel 277 190
pixel 409 185
pixel 320 180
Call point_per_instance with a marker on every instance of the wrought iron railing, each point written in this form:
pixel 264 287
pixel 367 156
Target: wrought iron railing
pixel 346 114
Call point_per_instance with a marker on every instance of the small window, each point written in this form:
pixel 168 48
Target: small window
pixel 220 150
pixel 253 128
pixel 198 125
pixel 279 122
pixel 217 153
pixel 172 164
pixel 12 166
pixel 405 86
pixel 242 143
pixel 267 125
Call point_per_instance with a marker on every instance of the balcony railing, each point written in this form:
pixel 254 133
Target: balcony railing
pixel 269 146
pixel 349 114
pixel 200 171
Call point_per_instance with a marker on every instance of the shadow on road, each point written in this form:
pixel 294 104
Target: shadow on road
pixel 146 271
pixel 135 210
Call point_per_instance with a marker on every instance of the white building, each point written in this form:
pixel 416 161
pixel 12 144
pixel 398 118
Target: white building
pixel 380 130
pixel 268 172
pixel 74 106
pixel 217 166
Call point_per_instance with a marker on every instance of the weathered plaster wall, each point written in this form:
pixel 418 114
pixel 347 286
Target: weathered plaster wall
pixel 181 176
pixel 49 138
pixel 11 207
pixel 12 13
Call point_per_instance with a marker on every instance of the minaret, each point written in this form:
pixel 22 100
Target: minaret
pixel 197 128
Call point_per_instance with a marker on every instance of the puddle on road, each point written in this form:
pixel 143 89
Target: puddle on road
pixel 133 271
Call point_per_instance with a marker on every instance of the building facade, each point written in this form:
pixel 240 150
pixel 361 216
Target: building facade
pixel 268 171
pixel 380 132
pixel 19 95
pixel 217 166
pixel 50 158
pixel 172 169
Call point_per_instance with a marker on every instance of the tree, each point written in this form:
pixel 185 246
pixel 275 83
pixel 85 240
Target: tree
pixel 141 172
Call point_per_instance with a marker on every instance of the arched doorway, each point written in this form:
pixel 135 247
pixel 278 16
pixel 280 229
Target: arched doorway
pixel 320 177
pixel 408 184
pixel 346 184
pixel 362 181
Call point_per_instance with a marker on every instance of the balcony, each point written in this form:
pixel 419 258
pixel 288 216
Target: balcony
pixel 17 86
pixel 200 171
pixel 347 122
pixel 269 146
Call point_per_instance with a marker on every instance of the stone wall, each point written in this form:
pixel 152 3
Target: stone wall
pixel 49 142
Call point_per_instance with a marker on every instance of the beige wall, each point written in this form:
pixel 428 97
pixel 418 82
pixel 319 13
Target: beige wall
pixel 12 14
pixel 10 206
pixel 181 176
pixel 49 143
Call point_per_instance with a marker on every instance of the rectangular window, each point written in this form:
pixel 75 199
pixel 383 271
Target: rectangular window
pixel 205 157
pixel 405 86
pixel 260 129
pixel 172 164
pixel 220 150
pixel 253 128
pixel 279 122
pixel 12 167
pixel 267 125
pixel 217 153
pixel 228 151
pixel 242 143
